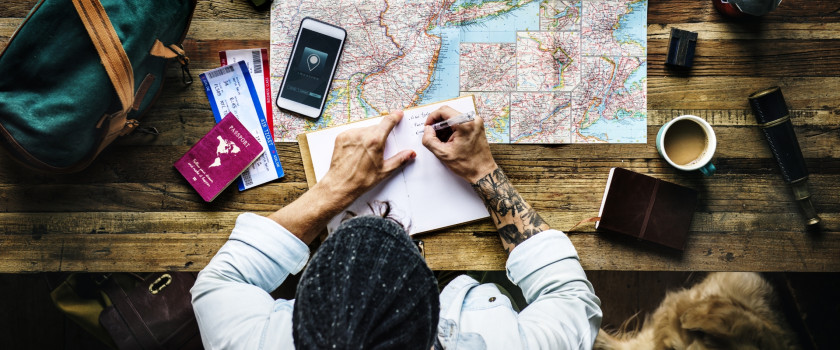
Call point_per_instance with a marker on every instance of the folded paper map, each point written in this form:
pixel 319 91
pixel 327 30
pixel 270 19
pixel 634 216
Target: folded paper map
pixel 552 71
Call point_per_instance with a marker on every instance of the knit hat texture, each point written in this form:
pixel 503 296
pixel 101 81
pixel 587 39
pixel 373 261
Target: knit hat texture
pixel 367 287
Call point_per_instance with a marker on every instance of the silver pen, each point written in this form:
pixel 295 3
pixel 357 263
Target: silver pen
pixel 460 119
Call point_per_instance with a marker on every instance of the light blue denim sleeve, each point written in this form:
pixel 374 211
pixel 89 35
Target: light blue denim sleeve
pixel 563 311
pixel 231 295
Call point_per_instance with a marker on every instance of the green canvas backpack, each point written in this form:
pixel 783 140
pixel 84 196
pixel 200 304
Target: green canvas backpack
pixel 77 74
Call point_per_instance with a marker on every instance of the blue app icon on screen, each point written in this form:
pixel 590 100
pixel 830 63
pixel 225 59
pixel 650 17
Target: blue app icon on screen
pixel 312 61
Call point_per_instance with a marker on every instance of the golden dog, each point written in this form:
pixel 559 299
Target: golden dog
pixel 728 310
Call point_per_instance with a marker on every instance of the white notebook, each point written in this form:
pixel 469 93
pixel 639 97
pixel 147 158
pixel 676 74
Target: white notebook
pixel 425 195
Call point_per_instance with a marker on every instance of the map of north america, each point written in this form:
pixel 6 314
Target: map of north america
pixel 550 71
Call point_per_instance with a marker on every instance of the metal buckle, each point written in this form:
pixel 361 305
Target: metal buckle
pixel 160 283
pixel 186 77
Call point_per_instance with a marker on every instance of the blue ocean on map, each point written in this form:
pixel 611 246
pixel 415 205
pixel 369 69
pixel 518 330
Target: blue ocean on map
pixel 632 28
pixel 564 13
pixel 446 74
pixel 498 28
pixel 501 28
pixel 627 128
pixel 499 135
pixel 637 77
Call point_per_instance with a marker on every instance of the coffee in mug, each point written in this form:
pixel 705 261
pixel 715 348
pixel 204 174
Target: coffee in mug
pixel 687 143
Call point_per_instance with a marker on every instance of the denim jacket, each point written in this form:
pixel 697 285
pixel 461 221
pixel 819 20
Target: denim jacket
pixel 562 313
pixel 231 297
pixel 235 311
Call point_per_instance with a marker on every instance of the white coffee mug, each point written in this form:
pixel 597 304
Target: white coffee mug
pixel 688 143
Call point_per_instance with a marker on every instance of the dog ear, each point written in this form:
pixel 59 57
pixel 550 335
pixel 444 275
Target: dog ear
pixel 719 323
pixel 709 316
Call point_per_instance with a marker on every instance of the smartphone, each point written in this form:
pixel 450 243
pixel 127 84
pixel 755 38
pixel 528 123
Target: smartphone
pixel 311 66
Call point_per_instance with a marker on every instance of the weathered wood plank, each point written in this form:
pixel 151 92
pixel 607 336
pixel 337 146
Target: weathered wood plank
pixel 703 11
pixel 764 31
pixel 795 58
pixel 723 192
pixel 133 164
pixel 143 197
pixel 561 210
pixel 42 223
pixel 17 9
pixel 753 249
pixel 550 170
pixel 7 28
pixel 38 224
pixel 732 92
pixel 151 164
pixel 227 10
pixel 745 117
pixel 108 252
pixel 236 29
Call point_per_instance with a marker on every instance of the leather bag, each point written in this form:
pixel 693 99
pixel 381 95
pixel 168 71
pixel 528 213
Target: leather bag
pixel 77 74
pixel 131 311
pixel 155 314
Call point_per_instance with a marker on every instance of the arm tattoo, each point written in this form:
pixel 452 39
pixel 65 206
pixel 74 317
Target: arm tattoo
pixel 513 217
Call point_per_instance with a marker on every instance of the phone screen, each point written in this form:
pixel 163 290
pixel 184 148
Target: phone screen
pixel 310 68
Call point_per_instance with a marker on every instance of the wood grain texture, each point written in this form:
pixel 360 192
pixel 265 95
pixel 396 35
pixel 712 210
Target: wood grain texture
pixel 663 12
pixel 187 241
pixel 131 211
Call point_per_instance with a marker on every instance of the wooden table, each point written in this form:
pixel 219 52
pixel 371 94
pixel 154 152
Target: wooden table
pixel 131 211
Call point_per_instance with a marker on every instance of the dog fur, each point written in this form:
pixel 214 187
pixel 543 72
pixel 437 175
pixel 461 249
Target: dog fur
pixel 728 310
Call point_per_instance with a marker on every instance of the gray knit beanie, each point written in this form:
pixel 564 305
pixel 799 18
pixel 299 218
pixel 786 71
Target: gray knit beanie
pixel 367 287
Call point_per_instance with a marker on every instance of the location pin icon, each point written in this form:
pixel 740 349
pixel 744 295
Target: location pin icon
pixel 312 62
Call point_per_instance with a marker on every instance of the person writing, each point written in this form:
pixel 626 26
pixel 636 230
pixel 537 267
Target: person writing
pixel 368 287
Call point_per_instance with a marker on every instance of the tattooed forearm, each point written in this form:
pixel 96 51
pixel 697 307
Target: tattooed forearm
pixel 513 217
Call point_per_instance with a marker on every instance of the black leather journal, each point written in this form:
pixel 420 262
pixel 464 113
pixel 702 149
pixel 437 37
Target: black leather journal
pixel 647 208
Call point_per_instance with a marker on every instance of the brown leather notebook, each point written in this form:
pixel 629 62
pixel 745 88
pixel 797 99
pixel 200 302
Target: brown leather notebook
pixel 647 208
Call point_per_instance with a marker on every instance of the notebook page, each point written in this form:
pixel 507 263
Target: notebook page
pixel 322 143
pixel 604 199
pixel 321 146
pixel 438 198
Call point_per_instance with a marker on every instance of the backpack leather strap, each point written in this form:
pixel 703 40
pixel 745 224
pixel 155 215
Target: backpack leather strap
pixel 116 64
pixel 174 51
pixel 110 49
pixel 171 51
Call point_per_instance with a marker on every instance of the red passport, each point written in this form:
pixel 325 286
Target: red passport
pixel 219 157
pixel 647 208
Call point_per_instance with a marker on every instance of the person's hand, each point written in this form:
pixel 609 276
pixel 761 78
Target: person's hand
pixel 358 162
pixel 466 151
